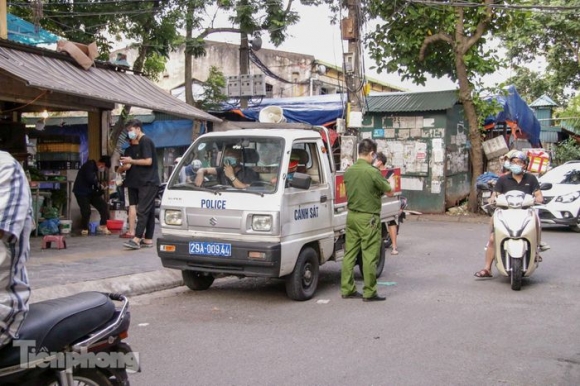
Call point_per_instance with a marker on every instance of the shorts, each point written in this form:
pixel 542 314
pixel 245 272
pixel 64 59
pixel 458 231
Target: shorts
pixel 133 194
pixel 392 223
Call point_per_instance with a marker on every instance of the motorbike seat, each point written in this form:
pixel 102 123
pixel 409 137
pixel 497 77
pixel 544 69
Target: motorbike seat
pixel 55 323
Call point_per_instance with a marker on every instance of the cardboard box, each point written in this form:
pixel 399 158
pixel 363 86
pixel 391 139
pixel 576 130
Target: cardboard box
pixel 495 147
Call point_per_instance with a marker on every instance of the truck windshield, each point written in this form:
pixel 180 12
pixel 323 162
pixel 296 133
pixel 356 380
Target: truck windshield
pixel 255 163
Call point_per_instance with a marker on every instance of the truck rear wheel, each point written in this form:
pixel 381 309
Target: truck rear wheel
pixel 197 281
pixel 301 284
pixel 381 263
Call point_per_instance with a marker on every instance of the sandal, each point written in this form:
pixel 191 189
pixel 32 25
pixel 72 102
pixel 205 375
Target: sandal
pixel 394 252
pixel 131 245
pixel 483 273
pixel 538 259
pixel 127 235
pixel 143 244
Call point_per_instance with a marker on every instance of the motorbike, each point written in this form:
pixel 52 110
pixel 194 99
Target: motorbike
pixel 75 340
pixel 516 236
pixel 484 186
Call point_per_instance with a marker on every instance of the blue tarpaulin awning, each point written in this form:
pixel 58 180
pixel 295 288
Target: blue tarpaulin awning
pixel 21 31
pixel 314 110
pixel 170 133
pixel 515 109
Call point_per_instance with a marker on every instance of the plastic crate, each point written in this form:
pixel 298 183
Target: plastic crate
pixel 56 138
pixel 58 165
pixel 58 148
pixel 58 156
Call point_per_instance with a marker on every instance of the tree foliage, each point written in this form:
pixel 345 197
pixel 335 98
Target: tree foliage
pixel 553 36
pixel 567 150
pixel 441 39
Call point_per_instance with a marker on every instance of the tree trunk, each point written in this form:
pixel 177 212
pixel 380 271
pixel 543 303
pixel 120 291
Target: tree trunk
pixel 126 110
pixel 465 96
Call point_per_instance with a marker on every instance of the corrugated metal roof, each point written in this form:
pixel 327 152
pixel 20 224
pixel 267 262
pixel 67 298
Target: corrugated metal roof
pixel 42 71
pixel 543 101
pixel 396 102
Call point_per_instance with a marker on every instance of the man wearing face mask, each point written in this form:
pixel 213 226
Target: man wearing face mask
pixel 88 191
pixel 231 173
pixel 516 179
pixel 144 168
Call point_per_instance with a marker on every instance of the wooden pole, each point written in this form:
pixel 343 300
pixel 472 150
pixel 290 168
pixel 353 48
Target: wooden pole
pixel 3 20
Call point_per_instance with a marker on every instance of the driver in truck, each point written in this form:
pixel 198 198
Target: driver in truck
pixel 231 173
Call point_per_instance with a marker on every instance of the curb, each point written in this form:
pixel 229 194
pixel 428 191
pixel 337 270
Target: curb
pixel 448 218
pixel 128 285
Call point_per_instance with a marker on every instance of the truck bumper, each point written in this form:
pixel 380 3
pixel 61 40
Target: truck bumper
pixel 237 264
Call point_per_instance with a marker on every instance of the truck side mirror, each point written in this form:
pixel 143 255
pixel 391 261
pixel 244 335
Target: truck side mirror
pixel 300 181
pixel 545 186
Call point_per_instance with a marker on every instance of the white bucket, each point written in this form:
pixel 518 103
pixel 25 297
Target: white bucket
pixel 65 226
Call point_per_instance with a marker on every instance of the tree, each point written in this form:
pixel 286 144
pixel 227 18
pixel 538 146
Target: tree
pixel 553 36
pixel 150 25
pixel 247 17
pixel 532 84
pixel 441 39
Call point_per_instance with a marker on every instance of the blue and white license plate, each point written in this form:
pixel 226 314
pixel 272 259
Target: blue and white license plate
pixel 209 249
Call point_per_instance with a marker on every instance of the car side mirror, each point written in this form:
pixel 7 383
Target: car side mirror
pixel 545 186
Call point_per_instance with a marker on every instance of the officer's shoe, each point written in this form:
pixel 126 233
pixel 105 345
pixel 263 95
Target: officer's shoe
pixel 354 295
pixel 375 298
pixel 543 246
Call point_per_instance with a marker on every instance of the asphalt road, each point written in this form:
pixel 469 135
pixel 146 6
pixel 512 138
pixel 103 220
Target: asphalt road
pixel 439 325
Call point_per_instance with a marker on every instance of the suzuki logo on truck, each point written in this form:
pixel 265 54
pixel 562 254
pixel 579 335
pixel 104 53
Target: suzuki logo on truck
pixel 213 221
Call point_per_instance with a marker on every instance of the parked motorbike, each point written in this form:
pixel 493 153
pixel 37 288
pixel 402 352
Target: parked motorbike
pixel 484 185
pixel 516 236
pixel 72 340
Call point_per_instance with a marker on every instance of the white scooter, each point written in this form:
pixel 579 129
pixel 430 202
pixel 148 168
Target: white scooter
pixel 516 236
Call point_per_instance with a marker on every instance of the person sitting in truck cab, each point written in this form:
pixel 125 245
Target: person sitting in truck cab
pixel 233 172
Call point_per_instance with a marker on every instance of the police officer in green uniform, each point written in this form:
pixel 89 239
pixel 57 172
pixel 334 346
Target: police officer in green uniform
pixel 365 186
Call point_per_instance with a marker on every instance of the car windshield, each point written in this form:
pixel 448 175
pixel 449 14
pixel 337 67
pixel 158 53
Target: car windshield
pixel 563 174
pixel 256 163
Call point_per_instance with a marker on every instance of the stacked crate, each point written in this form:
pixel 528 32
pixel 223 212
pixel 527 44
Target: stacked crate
pixel 58 152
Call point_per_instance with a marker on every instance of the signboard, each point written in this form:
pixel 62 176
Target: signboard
pixel 340 188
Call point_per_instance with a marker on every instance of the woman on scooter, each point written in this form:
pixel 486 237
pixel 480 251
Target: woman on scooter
pixel 516 179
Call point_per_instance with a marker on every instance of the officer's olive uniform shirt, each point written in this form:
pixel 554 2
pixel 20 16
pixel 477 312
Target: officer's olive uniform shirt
pixel 365 186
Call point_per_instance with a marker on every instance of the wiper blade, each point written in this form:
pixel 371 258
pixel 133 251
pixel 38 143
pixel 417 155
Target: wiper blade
pixel 186 186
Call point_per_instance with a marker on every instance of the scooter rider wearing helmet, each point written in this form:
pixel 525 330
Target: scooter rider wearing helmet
pixel 516 179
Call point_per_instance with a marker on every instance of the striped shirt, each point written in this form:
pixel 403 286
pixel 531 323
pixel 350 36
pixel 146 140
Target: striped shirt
pixel 15 227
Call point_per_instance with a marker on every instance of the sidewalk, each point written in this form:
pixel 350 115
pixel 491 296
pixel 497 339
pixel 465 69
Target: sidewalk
pixel 101 263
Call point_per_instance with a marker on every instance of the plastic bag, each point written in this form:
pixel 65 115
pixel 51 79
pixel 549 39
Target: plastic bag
pixel 49 227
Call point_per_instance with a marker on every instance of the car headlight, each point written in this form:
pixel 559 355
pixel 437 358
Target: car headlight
pixel 261 222
pixel 173 217
pixel 567 198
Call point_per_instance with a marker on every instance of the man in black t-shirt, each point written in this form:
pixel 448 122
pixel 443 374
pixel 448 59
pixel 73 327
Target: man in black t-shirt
pixel 146 178
pixel 517 179
pixel 132 190
pixel 88 191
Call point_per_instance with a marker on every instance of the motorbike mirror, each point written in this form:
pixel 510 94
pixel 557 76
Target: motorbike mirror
pixel 545 186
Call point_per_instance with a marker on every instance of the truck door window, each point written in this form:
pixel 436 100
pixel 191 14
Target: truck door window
pixel 308 161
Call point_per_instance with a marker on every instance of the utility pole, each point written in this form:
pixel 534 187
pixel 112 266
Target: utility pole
pixel 244 64
pixel 350 28
pixel 3 20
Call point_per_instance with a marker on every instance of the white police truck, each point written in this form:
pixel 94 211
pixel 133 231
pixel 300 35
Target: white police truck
pixel 276 227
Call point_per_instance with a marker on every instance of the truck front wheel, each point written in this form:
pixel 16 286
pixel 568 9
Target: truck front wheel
pixel 301 284
pixel 197 281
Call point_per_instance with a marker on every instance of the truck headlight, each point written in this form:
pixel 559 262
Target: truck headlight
pixel 567 198
pixel 173 217
pixel 261 222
